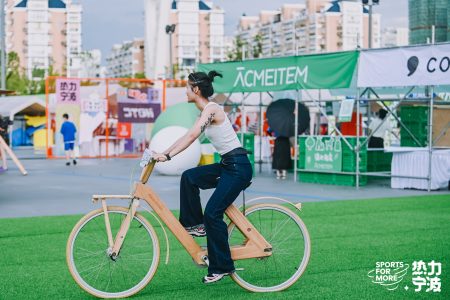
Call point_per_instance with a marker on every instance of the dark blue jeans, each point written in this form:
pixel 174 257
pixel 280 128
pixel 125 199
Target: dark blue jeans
pixel 229 177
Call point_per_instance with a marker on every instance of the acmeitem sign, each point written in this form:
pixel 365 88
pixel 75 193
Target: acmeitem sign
pixel 329 71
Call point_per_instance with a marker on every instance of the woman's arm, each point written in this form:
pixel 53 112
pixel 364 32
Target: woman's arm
pixel 206 118
pixel 178 141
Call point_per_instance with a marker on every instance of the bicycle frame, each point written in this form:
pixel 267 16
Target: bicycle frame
pixel 255 245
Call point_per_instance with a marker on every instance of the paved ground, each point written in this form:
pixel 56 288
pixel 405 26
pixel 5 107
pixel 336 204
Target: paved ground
pixel 51 188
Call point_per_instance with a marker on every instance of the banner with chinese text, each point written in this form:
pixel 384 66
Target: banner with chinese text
pixel 323 153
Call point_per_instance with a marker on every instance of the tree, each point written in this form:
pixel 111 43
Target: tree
pixel 236 53
pixel 140 75
pixel 15 79
pixel 257 46
pixel 251 51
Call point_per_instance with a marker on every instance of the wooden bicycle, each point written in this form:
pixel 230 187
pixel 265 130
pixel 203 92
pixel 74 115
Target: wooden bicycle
pixel 113 252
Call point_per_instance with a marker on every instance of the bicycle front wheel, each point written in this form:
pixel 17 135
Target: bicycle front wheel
pixel 291 247
pixel 91 265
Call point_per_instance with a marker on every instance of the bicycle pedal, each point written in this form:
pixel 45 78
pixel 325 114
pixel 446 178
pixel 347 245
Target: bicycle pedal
pixel 206 260
pixel 239 269
pixel 199 266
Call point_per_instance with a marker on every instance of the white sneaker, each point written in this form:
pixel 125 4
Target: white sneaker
pixel 278 174
pixel 210 278
pixel 197 230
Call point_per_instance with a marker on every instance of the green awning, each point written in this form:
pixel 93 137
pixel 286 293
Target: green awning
pixel 318 71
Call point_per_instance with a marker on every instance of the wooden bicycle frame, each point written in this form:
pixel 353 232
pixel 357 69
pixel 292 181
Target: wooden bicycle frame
pixel 255 245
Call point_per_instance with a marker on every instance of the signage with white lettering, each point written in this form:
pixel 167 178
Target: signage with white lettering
pixel 324 71
pixel 138 112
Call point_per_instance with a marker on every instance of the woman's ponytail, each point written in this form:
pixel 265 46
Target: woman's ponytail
pixel 213 74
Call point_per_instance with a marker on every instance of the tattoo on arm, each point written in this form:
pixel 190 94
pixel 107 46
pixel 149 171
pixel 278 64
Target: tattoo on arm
pixel 208 122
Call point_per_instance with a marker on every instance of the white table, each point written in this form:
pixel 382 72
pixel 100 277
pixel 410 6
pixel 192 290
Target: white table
pixel 408 161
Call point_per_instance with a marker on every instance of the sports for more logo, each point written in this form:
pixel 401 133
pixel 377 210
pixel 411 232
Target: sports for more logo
pixel 388 274
pixel 424 275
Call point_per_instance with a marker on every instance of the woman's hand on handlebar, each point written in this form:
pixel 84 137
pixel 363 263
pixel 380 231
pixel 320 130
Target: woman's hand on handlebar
pixel 159 157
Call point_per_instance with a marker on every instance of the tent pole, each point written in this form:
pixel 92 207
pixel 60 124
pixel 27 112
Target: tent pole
pixel 318 117
pixel 106 122
pixel 11 154
pixel 243 119
pixel 47 123
pixel 296 135
pixel 261 130
pixel 357 138
pixel 430 136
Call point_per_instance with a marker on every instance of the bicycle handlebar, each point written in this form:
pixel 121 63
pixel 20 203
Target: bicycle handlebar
pixel 147 163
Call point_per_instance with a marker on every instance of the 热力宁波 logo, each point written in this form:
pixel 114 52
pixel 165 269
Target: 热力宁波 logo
pixel 425 276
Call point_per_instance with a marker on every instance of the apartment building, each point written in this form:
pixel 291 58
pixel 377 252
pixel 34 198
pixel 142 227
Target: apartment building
pixel 44 33
pixel 198 36
pixel 316 26
pixel 126 59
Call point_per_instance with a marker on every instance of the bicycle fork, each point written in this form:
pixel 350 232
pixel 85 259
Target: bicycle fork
pixel 116 244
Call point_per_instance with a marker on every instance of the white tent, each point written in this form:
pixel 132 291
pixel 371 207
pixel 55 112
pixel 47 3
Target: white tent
pixel 29 105
pixel 21 105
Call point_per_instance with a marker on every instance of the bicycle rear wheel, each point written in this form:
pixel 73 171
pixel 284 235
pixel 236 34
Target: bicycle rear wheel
pixel 291 247
pixel 92 267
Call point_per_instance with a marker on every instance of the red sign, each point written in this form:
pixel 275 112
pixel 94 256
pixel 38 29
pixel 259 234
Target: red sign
pixel 124 130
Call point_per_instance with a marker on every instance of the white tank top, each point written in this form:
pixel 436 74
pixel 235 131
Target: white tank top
pixel 222 136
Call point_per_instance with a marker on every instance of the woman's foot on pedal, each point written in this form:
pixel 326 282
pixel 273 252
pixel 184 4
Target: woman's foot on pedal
pixel 197 230
pixel 210 278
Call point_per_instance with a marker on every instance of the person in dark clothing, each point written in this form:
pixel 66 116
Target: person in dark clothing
pixel 281 161
pixel 68 131
pixel 378 127
pixel 4 134
pixel 4 123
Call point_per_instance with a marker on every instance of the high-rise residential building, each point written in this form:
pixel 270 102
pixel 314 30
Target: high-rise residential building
pixel 394 37
pixel 90 64
pixel 423 15
pixel 316 26
pixel 198 36
pixel 44 34
pixel 126 59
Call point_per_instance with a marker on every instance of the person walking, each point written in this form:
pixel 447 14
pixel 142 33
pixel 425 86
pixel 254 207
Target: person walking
pixel 68 131
pixel 229 177
pixel 281 161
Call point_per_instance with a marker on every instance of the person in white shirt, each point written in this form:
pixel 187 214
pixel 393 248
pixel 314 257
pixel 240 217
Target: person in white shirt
pixel 377 139
pixel 229 177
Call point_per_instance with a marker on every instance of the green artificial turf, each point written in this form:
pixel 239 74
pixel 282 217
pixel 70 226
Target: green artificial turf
pixel 348 238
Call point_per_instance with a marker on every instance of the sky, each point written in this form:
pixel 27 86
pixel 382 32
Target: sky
pixel 109 22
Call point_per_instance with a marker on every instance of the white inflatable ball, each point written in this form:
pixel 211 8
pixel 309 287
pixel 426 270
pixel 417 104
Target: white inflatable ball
pixel 187 159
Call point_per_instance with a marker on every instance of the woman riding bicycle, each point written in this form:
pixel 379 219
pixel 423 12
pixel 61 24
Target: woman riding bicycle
pixel 229 177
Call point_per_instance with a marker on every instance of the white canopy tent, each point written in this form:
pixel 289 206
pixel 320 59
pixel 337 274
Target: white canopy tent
pixel 29 105
pixel 21 105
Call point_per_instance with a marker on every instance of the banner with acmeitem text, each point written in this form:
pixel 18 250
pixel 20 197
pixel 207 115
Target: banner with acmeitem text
pixel 410 66
pixel 319 71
